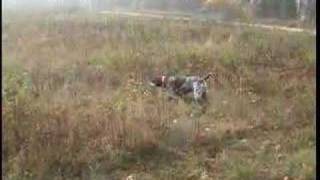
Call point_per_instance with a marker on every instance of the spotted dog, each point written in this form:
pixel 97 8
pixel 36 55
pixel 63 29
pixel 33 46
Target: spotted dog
pixel 178 86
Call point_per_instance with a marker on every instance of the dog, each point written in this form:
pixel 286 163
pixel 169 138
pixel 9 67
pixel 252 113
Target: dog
pixel 179 86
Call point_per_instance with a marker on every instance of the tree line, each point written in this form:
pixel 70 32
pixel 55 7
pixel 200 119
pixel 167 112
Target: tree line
pixel 284 9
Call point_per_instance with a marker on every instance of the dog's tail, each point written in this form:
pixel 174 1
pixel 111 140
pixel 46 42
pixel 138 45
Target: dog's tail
pixel 207 76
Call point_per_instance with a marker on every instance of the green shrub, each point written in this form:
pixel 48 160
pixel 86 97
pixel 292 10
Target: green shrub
pixel 301 164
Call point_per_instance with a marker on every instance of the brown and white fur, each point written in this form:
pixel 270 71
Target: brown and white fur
pixel 178 86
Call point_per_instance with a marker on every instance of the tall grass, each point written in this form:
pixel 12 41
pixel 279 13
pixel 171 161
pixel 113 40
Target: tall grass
pixel 76 103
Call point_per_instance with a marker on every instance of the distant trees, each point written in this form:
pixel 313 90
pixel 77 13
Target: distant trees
pixel 160 4
pixel 277 8
pixel 304 10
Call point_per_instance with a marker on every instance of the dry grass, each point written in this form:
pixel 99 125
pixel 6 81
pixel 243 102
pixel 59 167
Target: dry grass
pixel 76 104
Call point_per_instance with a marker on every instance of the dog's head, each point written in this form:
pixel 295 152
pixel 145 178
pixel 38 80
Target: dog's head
pixel 209 75
pixel 215 78
pixel 157 81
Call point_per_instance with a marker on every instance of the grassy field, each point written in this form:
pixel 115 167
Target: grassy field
pixel 76 104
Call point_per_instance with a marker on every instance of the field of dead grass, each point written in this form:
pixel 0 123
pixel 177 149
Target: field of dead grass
pixel 76 104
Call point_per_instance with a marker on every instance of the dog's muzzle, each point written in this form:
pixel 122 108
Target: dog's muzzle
pixel 152 84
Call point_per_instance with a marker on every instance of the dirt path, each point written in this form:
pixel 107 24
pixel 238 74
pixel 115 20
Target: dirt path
pixel 185 17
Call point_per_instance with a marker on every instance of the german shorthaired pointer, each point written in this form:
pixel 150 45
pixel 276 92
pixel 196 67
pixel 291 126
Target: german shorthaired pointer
pixel 178 86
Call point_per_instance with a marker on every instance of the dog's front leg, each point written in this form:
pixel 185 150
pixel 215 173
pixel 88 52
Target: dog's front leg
pixel 195 102
pixel 197 94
